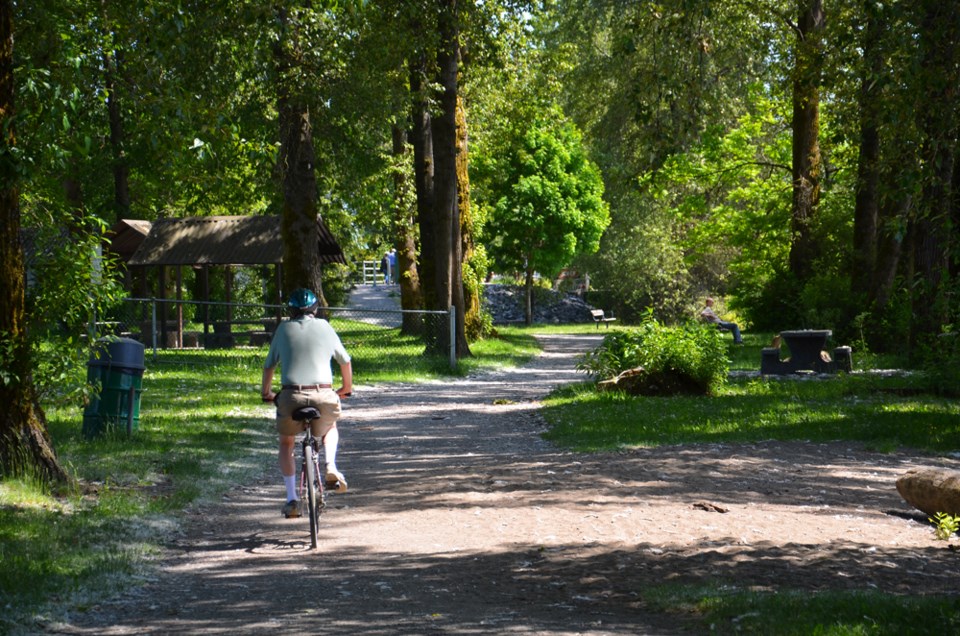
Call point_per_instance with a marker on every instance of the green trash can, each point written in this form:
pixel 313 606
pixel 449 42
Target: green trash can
pixel 116 366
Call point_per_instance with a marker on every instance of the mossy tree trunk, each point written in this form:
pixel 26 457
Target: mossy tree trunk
pixel 25 447
pixel 472 285
pixel 807 162
pixel 447 264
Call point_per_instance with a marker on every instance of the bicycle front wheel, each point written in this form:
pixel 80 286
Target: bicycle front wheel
pixel 313 494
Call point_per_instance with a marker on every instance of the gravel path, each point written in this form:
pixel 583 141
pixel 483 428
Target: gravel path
pixel 426 541
pixel 462 520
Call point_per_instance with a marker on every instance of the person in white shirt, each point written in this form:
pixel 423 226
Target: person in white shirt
pixel 709 315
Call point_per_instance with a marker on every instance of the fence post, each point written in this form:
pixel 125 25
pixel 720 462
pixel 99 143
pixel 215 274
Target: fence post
pixel 453 338
pixel 153 326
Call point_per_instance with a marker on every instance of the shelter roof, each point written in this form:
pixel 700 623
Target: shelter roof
pixel 126 235
pixel 223 240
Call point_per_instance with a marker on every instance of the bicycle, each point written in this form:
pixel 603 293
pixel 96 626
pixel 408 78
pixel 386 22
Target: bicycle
pixel 311 477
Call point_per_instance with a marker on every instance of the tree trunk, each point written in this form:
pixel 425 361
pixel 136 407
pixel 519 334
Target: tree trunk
pixel 423 171
pixel 407 276
pixel 955 202
pixel 868 169
pixel 460 239
pixel 939 43
pixel 448 281
pixel 296 167
pixel 806 131
pixel 528 297
pixel 121 171
pixel 444 130
pixel 25 447
pixel 892 221
pixel 472 289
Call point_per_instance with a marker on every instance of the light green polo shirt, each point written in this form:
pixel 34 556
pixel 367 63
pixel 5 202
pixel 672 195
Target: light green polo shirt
pixel 303 347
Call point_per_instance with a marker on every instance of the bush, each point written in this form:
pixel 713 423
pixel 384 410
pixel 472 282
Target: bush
pixel 765 306
pixel 693 351
pixel 942 364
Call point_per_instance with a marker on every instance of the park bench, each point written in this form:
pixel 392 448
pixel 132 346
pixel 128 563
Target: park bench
pixel 599 316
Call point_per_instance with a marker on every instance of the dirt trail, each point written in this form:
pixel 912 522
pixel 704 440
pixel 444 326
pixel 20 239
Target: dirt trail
pixel 461 520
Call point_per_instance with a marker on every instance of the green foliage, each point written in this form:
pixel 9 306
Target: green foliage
pixel 946 525
pixel 336 284
pixel 647 83
pixel 729 196
pixel 692 350
pixel 479 324
pixel 8 348
pixel 73 286
pixel 941 363
pixel 729 199
pixel 545 197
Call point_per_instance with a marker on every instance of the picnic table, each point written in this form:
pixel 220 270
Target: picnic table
pixel 807 354
pixel 805 346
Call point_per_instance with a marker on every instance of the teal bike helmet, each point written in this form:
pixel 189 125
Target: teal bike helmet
pixel 303 300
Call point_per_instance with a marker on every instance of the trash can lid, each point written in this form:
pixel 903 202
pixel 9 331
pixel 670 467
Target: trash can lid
pixel 125 353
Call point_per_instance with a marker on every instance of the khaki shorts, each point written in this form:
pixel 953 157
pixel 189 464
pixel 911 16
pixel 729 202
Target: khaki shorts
pixel 324 400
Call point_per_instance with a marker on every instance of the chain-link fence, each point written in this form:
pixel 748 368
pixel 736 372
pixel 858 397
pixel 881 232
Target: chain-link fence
pixel 162 324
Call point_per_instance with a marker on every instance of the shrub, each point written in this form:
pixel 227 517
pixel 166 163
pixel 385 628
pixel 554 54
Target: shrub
pixel 694 351
pixel 941 364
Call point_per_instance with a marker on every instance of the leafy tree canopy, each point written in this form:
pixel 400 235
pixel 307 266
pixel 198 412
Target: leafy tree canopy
pixel 546 197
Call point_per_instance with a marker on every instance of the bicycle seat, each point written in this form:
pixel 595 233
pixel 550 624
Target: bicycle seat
pixel 306 414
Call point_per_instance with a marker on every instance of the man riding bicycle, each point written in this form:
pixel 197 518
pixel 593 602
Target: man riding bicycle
pixel 303 347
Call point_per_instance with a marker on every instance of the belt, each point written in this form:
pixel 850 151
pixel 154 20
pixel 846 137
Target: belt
pixel 306 387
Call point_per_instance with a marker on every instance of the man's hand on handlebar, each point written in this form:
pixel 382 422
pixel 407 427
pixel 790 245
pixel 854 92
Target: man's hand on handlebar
pixel 344 393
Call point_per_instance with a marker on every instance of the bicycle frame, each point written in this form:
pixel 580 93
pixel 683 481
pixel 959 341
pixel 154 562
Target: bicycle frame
pixel 311 480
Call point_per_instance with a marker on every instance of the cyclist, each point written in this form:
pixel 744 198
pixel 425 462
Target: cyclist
pixel 304 347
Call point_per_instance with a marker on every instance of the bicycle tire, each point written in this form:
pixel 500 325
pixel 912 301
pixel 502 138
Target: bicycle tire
pixel 312 495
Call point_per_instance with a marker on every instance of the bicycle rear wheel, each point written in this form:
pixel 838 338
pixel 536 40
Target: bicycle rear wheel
pixel 313 494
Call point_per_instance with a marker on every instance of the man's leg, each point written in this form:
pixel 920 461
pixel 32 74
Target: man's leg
pixel 735 329
pixel 331 439
pixel 288 470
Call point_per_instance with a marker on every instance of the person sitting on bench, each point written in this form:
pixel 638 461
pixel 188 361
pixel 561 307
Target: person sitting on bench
pixel 709 315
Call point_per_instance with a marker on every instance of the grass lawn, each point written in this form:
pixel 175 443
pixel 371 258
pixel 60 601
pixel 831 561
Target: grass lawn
pixel 202 430
pixel 884 411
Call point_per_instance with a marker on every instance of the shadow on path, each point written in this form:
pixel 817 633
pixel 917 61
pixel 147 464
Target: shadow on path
pixel 461 519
